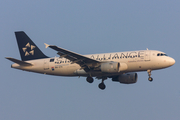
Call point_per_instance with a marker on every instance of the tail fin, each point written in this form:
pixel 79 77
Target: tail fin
pixel 28 50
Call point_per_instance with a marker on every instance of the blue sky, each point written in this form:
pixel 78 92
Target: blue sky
pixel 89 27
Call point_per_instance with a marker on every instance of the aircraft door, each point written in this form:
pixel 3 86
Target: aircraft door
pixel 46 64
pixel 147 55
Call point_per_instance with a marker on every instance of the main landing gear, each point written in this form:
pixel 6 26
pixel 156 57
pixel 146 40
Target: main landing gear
pixel 102 86
pixel 149 74
pixel 89 79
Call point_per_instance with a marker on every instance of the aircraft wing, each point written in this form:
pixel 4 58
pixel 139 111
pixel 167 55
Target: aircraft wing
pixel 83 61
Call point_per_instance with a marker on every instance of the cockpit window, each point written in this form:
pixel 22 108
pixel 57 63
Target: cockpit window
pixel 51 60
pixel 161 54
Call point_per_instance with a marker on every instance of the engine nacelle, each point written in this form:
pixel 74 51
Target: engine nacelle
pixel 110 67
pixel 128 78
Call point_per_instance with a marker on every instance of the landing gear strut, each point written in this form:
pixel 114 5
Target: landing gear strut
pixel 102 86
pixel 149 74
pixel 89 79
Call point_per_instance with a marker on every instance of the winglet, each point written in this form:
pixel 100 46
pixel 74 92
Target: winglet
pixel 46 45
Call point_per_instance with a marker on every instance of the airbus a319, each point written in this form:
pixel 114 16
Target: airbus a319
pixel 119 66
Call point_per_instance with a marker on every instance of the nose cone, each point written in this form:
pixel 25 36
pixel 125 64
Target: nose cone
pixel 171 61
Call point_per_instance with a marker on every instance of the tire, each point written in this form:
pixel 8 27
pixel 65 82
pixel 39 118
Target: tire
pixel 102 86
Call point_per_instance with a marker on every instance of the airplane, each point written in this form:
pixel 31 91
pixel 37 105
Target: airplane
pixel 118 66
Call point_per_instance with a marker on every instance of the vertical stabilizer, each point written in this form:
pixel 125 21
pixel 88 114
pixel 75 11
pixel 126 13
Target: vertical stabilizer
pixel 28 50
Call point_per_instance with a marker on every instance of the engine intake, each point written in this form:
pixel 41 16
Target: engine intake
pixel 110 67
pixel 128 78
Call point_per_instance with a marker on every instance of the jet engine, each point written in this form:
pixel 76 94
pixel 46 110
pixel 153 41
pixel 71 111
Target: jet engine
pixel 128 78
pixel 110 67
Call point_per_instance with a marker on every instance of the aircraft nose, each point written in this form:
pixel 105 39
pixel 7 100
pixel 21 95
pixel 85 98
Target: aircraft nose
pixel 171 61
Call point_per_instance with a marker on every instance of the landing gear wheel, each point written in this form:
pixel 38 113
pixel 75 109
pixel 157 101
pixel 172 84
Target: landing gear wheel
pixel 89 79
pixel 150 79
pixel 149 74
pixel 102 86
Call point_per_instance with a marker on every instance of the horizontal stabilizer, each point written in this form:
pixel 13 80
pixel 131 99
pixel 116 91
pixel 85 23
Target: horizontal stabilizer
pixel 22 63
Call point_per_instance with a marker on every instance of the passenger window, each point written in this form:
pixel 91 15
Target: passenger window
pixel 158 54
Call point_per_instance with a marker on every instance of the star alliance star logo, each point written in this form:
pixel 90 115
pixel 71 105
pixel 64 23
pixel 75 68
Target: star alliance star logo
pixel 28 49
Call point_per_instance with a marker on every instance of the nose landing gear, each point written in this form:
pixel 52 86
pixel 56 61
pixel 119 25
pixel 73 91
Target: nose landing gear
pixel 149 74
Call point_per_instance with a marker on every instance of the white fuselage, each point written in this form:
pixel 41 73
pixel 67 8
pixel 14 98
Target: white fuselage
pixel 131 61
